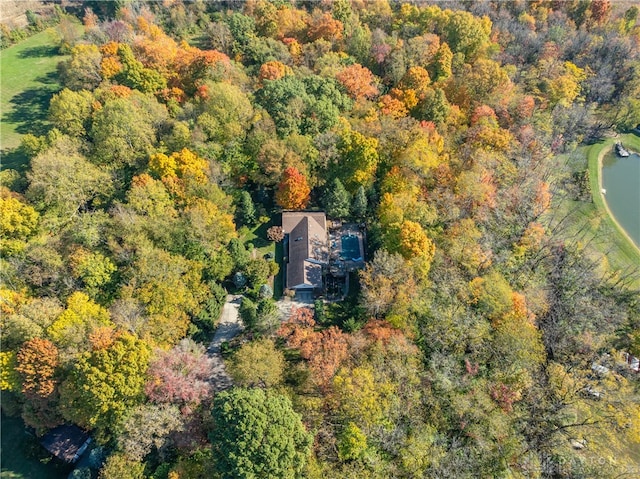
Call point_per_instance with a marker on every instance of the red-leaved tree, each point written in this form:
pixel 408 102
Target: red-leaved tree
pixel 180 376
pixel 324 350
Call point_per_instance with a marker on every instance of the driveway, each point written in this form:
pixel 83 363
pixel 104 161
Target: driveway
pixel 229 327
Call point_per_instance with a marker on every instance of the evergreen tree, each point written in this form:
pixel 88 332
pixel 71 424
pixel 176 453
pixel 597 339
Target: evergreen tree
pixel 337 200
pixel 246 209
pixel 359 205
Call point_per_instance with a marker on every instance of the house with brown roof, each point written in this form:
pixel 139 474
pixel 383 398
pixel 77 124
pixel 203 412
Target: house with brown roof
pixel 67 442
pixel 306 252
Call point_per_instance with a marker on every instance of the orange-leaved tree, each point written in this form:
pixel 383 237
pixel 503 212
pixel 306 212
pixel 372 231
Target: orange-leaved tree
pixel 359 81
pixel 293 190
pixel 37 361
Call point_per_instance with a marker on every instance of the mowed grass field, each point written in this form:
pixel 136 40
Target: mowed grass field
pixel 28 80
pixel 589 222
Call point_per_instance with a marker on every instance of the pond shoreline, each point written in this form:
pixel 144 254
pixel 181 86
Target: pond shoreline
pixel 602 203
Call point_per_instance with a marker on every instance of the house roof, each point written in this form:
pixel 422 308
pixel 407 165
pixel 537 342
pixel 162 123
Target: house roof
pixel 66 442
pixel 308 249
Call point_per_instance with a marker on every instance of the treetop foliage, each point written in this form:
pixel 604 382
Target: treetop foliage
pixel 466 345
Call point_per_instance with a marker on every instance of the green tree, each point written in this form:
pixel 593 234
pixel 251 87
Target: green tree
pixel 337 200
pixel 248 313
pixel 227 113
pixel 257 271
pixel 359 161
pixel 352 443
pixel 257 364
pixel 258 435
pixel 64 183
pixel 467 34
pixel 104 384
pixel 246 210
pixel 360 203
pixel 70 111
pixel 135 75
pixel 123 130
pixel 118 466
pixel 82 70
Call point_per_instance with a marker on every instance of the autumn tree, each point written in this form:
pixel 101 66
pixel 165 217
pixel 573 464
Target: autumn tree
pixel 70 111
pixel 360 398
pixel 385 285
pixel 146 428
pixel 275 233
pixel 273 70
pixel 82 70
pixel 104 384
pixel 324 350
pixel 18 222
pixel 293 190
pixel 36 363
pixel 169 287
pixel 358 81
pixel 180 376
pixel 70 331
pixel 359 160
pixel 119 466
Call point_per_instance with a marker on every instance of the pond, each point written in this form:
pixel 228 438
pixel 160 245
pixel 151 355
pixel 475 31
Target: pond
pixel 621 180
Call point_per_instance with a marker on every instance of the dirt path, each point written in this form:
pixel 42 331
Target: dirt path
pixel 230 326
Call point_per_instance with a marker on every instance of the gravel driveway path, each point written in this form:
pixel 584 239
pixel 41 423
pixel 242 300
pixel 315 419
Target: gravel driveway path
pixel 230 326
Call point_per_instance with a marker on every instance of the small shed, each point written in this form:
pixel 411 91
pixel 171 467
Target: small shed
pixel 66 442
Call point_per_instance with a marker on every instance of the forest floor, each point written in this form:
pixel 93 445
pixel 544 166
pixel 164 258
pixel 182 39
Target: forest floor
pixel 588 222
pixel 29 80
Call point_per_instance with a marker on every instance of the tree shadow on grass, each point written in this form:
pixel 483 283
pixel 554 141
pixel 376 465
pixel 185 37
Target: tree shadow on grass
pixel 14 159
pixel 29 109
pixel 41 51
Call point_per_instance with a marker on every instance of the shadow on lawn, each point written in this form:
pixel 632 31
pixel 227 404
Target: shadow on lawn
pixel 14 159
pixel 261 236
pixel 40 51
pixel 30 107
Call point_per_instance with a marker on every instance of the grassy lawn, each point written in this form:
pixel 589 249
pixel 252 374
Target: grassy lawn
pixel 23 457
pixel 28 81
pixel 589 222
pixel 257 237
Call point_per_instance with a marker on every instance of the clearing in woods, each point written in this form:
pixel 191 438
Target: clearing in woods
pixel 27 82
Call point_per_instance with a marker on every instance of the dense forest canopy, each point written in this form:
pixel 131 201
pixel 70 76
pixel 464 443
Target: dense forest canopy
pixel 481 341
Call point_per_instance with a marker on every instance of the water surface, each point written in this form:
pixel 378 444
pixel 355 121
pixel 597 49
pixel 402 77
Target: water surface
pixel 621 180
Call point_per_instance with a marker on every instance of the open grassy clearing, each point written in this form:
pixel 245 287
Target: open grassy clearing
pixel 23 457
pixel 28 80
pixel 589 222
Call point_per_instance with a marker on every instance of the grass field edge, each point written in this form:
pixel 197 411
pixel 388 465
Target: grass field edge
pixel 595 156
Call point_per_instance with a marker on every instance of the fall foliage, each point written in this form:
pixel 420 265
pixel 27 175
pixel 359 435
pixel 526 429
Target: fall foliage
pixel 293 190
